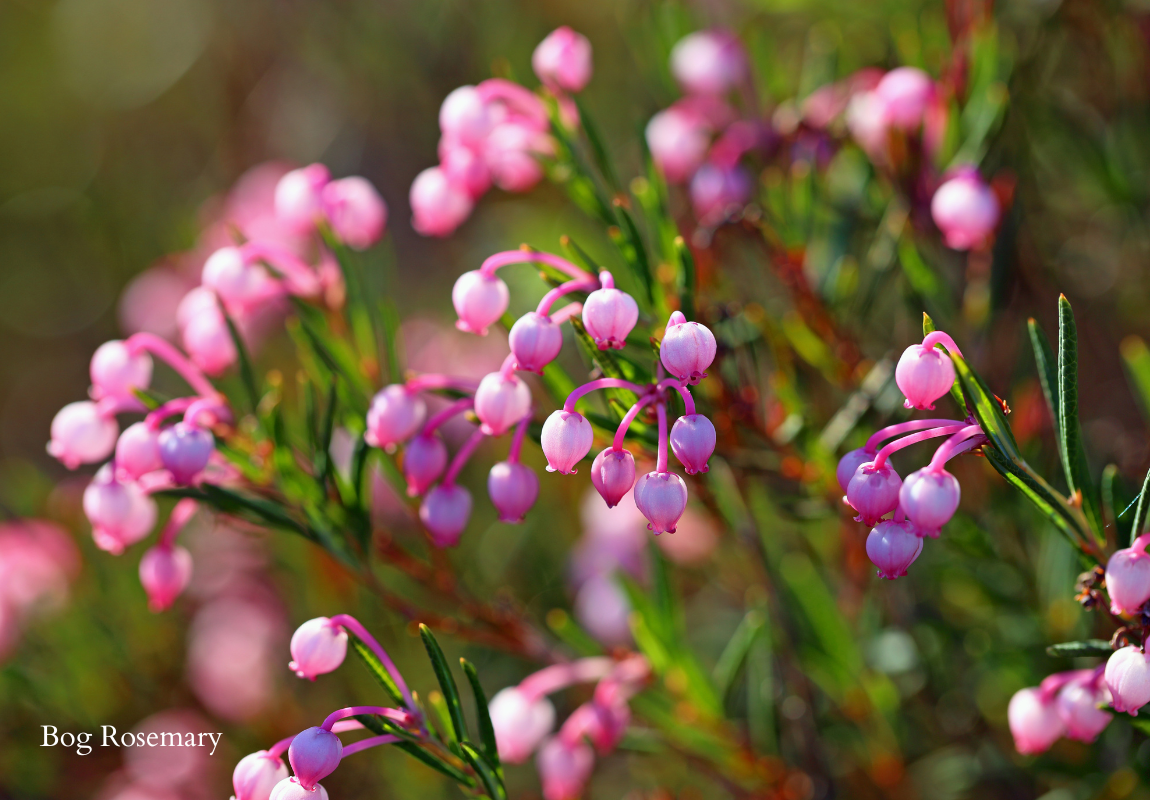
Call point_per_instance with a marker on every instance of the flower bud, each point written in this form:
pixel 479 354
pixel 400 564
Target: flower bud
pixel 613 474
pixel 520 723
pixel 929 498
pixel 708 62
pixel 924 374
pixel 464 116
pixel 115 371
pixel 1128 580
pixel 445 512
pixel 693 442
pixel 121 513
pixel 512 151
pixel 209 343
pixel 290 789
pixel 164 573
pixel 256 776
pixel 609 315
pixel 500 402
pixel 564 768
pixel 849 463
pixel 678 141
pixel 479 301
pixel 298 201
pixel 464 167
pixel 1034 721
pixel 535 340
pixel 355 211
pixel 867 124
pixel 563 60
pixel 1078 704
pixel 965 209
pixel 716 191
pixel 185 450
pixel 904 93
pixel 567 437
pixel 314 754
pixel 873 493
pixel 662 499
pixel 81 435
pixel 438 205
pixel 424 459
pixel 513 488
pixel 394 416
pixel 138 450
pixel 688 348
pixel 317 647
pixel 1128 679
pixel 240 285
pixel 602 607
pixel 893 547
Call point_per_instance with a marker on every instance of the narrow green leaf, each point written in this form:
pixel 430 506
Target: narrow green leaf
pixel 486 729
pixel 630 244
pixel 323 445
pixel 598 151
pixel 247 374
pixel 1136 357
pixel 376 668
pixel 1041 494
pixel 1089 647
pixel 232 502
pixel 733 655
pixel 446 682
pixel 686 278
pixel 1047 374
pixel 1069 441
pixel 150 399
pixel 1140 511
pixel 488 775
pixel 569 632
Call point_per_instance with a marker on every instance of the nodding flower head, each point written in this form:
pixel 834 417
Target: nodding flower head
pixel 604 610
pixel 688 348
pixel 513 488
pixel 716 190
pixel 82 435
pixel 138 450
pixel 464 167
pixel 185 450
pixel 1034 721
pixel 693 442
pixel 965 209
pixel 438 204
pixel 164 573
pixel 317 648
pixel 314 754
pixel 535 340
pixel 1128 580
pixel 893 547
pixel 873 492
pixel 355 211
pixel 609 315
pixel 290 789
pixel 298 197
pixel 500 402
pixel 1128 679
pixel 394 416
pixel 240 284
pixel 121 513
pixel 424 459
pixel 512 151
pixel 256 776
pixel 564 768
pixel 905 94
pixel 444 512
pixel 479 301
pixel 929 498
pixel 662 498
pixel 924 374
pixel 204 332
pixel 849 463
pixel 708 62
pixel 1078 704
pixel 465 117
pixel 520 723
pixel 613 474
pixel 563 60
pixel 116 371
pixel 678 141
pixel 566 439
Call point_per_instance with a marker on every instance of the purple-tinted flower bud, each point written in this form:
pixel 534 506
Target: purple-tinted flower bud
pixel 1078 708
pixel 520 723
pixel 929 499
pixel 602 607
pixel 314 754
pixel 121 513
pixel 500 402
pixel 716 191
pixel 1128 679
pixel 290 789
pixel 444 512
pixel 464 116
pixel 688 348
pixel 256 775
pixel 81 435
pixel 849 463
pixel 905 93
pixel 873 493
pixel 394 416
pixel 1034 721
pixel 678 142
pixel 924 374
pixel 513 488
pixel 438 205
pixel 424 459
pixel 355 211
pixel 563 60
pixel 298 201
pixel 185 450
pixel 965 209
pixel 239 284
pixel 609 315
pixel 662 499
pixel 1128 580
pixel 693 442
pixel 317 648
pixel 567 437
pixel 138 450
pixel 535 340
pixel 708 62
pixel 893 547
pixel 116 372
pixel 479 301
pixel 613 474
pixel 564 768
pixel 164 573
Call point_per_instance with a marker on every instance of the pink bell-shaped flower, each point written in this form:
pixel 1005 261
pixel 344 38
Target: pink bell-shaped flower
pixel 693 442
pixel 138 450
pixel 893 547
pixel 1128 580
pixel 873 492
pixel 535 340
pixel 520 723
pixel 500 402
pixel 121 513
pixel 662 499
pixel 290 789
pixel 424 459
pixel 115 371
pixel 1034 721
pixel 688 348
pixel 256 776
pixel 298 197
pixel 208 341
pixel 564 768
pixel 479 301
pixel 567 437
pixel 464 167
pixel 924 374
pixel 603 609
pixel 613 474
pixel 438 206
pixel 708 62
pixel 81 435
pixel 929 498
pixel 716 191
pixel 965 209
pixel 445 512
pixel 317 648
pixel 241 285
pixel 164 573
pixel 609 315
pixel 905 93
pixel 1128 679
pixel 1078 704
pixel 849 463
pixel 314 754
pixel 563 60
pixel 512 151
pixel 678 141
pixel 513 488
pixel 464 116
pixel 394 416
pixel 185 450
pixel 355 211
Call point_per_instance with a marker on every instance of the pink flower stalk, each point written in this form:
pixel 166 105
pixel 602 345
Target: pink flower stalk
pixel 662 497
pixel 1128 679
pixel 693 442
pixel 905 94
pixel 925 373
pixel 138 451
pixel 1128 577
pixel 242 283
pixel 256 776
pixel 185 450
pixel 609 314
pixel 318 647
pixel 465 116
pixel 567 437
pixel 501 400
pixel 929 498
pixel 120 513
pixel 521 722
pixel 480 300
pixel 1078 704
pixel 965 209
pixel 873 492
pixel 165 572
pixel 314 754
pixel 424 459
pixel 115 371
pixel 602 607
pixel 613 474
pixel 290 789
pixel 688 348
pixel 513 488
pixel 445 512
pixel 708 62
pixel 1034 721
pixel 395 415
pixel 298 197
pixel 564 768
pixel 82 435
pixel 355 211
pixel 438 205
pixel 718 190
pixel 563 60
pixel 678 140
pixel 893 547
pixel 535 341
pixel 849 463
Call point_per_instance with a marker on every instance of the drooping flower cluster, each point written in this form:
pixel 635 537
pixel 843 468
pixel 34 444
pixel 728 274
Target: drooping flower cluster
pixel 1070 704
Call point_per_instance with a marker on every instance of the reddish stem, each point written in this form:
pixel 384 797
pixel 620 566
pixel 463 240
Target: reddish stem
pixel 914 438
pixel 458 407
pixel 882 434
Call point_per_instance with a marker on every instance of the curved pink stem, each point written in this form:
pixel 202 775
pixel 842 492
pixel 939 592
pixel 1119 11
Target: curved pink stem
pixel 298 277
pixel 458 407
pixel 353 625
pixel 183 511
pixel 938 337
pixel 461 457
pixel 509 257
pixel 280 747
pixel 111 406
pixel 567 312
pixel 914 438
pixel 167 353
pixel 677 385
pixel 509 366
pixel 549 299
pixel 601 383
pixel 560 676
pixel 434 380
pixel 215 406
pixel 178 406
pixel 628 418
pixel 963 438
pixel 606 279
pixel 402 717
pixel 364 744
pixel 345 725
pixel 517 439
pixel 1141 542
pixel 661 461
pixel 1052 684
pixel 882 434
pixel 516 96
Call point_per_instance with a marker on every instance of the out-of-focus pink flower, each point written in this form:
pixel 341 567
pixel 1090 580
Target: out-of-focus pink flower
pixel 501 401
pixel 120 512
pixel 234 656
pixel 905 93
pixel 512 152
pixel 1034 721
pixel 965 209
pixel 116 372
pixel 602 607
pixel 868 125
pixel 465 116
pixel 564 768
pixel 716 191
pixel 464 167
pixel 696 537
pixel 394 416
pixel 1078 705
pixel 563 60
pixel 678 141
pixel 164 573
pixel 137 451
pixel 520 723
pixel 185 450
pixel 298 200
pixel 513 488
pixel 445 512
pixel 38 560
pixel 438 205
pixel 168 766
pixel 149 301
pixel 355 211
pixel 290 789
pixel 708 62
pixel 82 435
pixel 204 331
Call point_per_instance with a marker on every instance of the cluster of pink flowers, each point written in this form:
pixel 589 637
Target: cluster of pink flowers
pixel 495 134
pixel 38 561
pixel 1069 704
pixel 928 498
